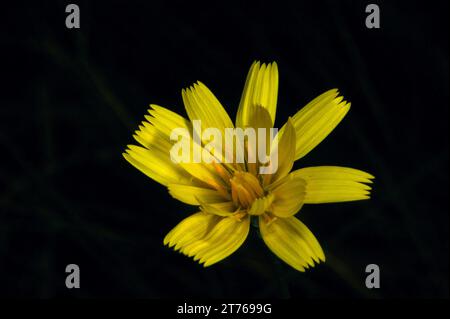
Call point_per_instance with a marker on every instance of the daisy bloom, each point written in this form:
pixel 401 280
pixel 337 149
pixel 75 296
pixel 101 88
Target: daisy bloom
pixel 229 195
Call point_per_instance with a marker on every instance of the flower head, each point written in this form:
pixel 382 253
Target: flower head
pixel 229 194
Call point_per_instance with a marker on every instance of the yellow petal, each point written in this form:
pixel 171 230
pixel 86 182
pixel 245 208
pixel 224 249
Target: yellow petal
pixel 291 241
pixel 284 144
pixel 165 120
pixel 154 160
pixel 157 165
pixel 207 174
pixel 260 120
pixel 148 135
pixel 194 195
pixel 261 89
pixel 201 104
pixel 329 184
pixel 261 205
pixel 317 119
pixel 223 209
pixel 289 195
pixel 208 238
pixel 191 229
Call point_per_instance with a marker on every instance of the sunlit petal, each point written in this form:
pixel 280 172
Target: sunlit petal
pixel 329 184
pixel 261 89
pixel 317 119
pixel 208 238
pixel 291 241
pixel 289 195
pixel 194 195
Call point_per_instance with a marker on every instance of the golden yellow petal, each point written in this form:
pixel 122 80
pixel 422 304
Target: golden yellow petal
pixel 194 195
pixel 201 104
pixel 284 144
pixel 261 205
pixel 223 209
pixel 317 119
pixel 291 241
pixel 329 184
pixel 208 238
pixel 156 164
pixel 261 89
pixel 207 174
pixel 289 195
pixel 154 160
pixel 165 120
pixel 260 119
pixel 191 229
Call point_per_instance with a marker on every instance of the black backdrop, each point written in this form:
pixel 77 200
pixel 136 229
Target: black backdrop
pixel 72 98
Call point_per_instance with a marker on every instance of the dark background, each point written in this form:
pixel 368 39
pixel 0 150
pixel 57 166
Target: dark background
pixel 71 99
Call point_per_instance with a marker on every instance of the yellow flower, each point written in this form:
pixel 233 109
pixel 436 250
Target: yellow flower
pixel 229 195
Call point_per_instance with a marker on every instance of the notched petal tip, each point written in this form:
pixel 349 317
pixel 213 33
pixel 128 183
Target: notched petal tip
pixel 166 241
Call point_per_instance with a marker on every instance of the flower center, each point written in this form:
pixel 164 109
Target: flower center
pixel 245 188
